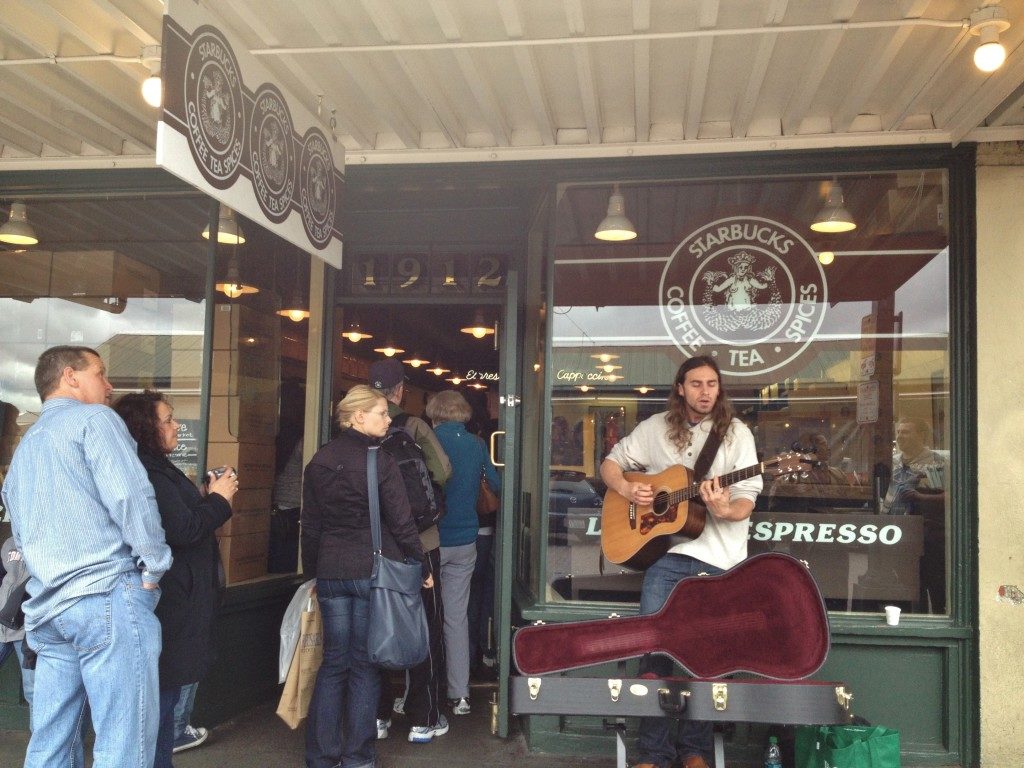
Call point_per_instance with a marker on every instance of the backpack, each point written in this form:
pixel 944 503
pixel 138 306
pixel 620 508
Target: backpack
pixel 426 498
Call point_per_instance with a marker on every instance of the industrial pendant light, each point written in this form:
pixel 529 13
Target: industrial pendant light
pixel 389 349
pixel 479 328
pixel 615 226
pixel 228 231
pixel 233 287
pixel 354 331
pixel 833 217
pixel 987 23
pixel 415 361
pixel 296 310
pixel 17 230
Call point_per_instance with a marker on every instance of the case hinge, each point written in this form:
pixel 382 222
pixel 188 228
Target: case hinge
pixel 720 696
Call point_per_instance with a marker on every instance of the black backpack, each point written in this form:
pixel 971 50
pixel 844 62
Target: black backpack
pixel 426 498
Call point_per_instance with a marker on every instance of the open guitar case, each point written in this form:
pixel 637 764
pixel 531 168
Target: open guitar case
pixel 764 617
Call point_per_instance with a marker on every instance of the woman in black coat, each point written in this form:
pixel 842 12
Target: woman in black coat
pixel 337 552
pixel 190 589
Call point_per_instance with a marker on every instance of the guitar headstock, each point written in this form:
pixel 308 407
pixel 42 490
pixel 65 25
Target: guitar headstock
pixel 790 463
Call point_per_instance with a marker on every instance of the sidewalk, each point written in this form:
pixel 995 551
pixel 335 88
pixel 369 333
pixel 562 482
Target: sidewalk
pixel 259 739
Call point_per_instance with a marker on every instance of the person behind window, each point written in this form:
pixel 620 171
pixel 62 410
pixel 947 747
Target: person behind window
pixel 697 406
pixel 84 516
pixel 191 587
pixel 337 551
pixel 459 528
pixel 822 471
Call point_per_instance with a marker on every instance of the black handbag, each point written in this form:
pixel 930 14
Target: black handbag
pixel 398 637
pixel 11 614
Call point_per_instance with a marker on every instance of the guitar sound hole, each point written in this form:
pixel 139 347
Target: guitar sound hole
pixel 660 505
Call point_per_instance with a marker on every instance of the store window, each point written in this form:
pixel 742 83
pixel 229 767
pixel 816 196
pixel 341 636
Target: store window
pixel 127 276
pixel 834 345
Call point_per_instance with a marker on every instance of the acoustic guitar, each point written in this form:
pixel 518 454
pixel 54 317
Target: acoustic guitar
pixel 636 535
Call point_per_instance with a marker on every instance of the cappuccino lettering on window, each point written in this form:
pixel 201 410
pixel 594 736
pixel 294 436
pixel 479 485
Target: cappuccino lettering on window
pixel 746 289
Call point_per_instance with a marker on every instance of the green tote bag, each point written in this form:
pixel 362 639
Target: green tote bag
pixel 847 746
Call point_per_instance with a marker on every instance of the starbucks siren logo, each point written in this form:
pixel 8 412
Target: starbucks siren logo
pixel 317 194
pixel 746 289
pixel 272 153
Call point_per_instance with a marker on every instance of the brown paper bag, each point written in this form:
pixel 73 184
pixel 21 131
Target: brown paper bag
pixel 309 652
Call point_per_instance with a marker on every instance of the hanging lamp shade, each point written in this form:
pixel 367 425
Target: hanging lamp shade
pixel 228 231
pixel 833 217
pixel 389 349
pixel 616 226
pixel 16 230
pixel 233 287
pixel 296 309
pixel 354 332
pixel 416 361
pixel 479 328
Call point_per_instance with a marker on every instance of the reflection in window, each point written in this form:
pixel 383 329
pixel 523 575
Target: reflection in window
pixel 844 359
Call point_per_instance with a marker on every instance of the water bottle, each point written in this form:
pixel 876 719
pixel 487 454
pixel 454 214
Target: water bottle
pixel 772 755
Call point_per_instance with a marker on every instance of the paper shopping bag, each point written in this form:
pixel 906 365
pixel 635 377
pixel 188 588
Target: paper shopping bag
pixel 309 652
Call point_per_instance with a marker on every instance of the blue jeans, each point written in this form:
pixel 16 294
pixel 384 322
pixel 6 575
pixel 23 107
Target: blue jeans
pixel 105 648
pixel 655 736
pixel 341 729
pixel 183 709
pixel 165 734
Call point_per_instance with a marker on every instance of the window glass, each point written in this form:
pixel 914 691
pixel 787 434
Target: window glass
pixel 834 347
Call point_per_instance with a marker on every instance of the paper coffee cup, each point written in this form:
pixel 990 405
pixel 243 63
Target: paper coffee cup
pixel 892 615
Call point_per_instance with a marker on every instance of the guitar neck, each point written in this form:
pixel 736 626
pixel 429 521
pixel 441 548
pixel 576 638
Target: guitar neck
pixel 692 491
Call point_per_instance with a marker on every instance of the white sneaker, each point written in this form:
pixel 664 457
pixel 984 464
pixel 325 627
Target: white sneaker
pixel 192 737
pixel 399 706
pixel 382 728
pixel 424 734
pixel 460 707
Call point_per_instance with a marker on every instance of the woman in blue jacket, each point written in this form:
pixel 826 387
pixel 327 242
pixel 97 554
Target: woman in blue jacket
pixel 458 528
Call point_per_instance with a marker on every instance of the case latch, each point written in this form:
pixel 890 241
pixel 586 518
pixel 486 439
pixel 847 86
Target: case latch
pixel 533 684
pixel 844 697
pixel 615 687
pixel 720 695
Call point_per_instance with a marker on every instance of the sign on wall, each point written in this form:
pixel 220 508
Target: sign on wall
pixel 229 130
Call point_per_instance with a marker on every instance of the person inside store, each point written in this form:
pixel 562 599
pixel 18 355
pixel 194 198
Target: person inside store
pixel 699 415
pixel 192 587
pixel 422 697
pixel 85 519
pixel 337 551
pixel 918 487
pixel 459 527
pixel 822 471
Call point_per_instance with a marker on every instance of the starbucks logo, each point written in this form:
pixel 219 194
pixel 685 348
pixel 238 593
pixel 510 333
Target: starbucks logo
pixel 317 194
pixel 214 107
pixel 272 153
pixel 748 290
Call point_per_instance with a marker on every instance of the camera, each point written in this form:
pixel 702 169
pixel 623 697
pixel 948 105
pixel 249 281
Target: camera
pixel 218 472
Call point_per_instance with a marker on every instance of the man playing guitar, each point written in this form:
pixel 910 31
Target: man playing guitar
pixel 698 407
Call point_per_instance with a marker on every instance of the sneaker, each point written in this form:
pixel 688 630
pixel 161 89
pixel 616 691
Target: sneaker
pixel 192 737
pixel 399 706
pixel 382 728
pixel 489 661
pixel 460 707
pixel 423 734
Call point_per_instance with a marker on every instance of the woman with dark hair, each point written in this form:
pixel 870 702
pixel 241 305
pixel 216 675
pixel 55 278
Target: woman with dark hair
pixel 337 551
pixel 189 590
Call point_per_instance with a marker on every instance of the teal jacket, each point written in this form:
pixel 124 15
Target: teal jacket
pixel 469 459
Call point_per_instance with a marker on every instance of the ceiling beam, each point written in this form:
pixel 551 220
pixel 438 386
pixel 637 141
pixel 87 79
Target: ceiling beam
pixel 584 70
pixel 139 20
pixel 699 69
pixel 481 91
pixel 91 133
pixel 17 138
pixel 876 64
pixel 38 125
pixel 758 70
pixel 418 76
pixel 526 62
pixel 970 111
pixel 642 72
pixel 925 75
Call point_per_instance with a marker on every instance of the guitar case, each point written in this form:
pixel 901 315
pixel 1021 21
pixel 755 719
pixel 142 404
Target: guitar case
pixel 765 617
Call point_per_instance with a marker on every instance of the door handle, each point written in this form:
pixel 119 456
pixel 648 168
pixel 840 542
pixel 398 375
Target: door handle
pixel 494 460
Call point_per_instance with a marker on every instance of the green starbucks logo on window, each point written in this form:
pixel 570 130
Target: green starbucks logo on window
pixel 746 289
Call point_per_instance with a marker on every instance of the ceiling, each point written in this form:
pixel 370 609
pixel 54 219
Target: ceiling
pixel 473 80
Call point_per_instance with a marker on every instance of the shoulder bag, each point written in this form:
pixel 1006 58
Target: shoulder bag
pixel 398 636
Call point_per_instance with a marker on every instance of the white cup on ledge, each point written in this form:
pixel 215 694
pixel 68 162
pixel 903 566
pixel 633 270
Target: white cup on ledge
pixel 892 615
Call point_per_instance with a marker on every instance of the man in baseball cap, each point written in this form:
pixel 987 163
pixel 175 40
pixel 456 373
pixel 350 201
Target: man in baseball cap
pixel 386 374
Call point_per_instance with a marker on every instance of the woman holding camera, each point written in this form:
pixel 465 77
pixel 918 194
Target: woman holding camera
pixel 190 589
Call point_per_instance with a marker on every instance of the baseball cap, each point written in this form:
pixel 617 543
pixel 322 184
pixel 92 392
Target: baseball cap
pixel 385 374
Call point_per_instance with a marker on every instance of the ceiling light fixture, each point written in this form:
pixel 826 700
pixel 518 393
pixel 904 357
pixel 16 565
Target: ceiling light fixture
pixel 609 367
pixel 439 370
pixel 389 349
pixel 616 226
pixel 233 287
pixel 643 390
pixel 415 361
pixel 987 23
pixel 354 332
pixel 456 380
pixel 479 328
pixel 826 257
pixel 152 86
pixel 296 313
pixel 834 217
pixel 605 357
pixel 16 230
pixel 228 231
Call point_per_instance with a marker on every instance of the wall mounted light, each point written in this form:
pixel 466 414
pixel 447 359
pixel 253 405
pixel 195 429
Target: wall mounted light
pixel 479 327
pixel 826 257
pixel 834 217
pixel 987 23
pixel 616 226
pixel 228 231
pixel 16 230
pixel 233 287
pixel 152 86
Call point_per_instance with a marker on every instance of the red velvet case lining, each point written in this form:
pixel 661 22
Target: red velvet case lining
pixel 765 616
